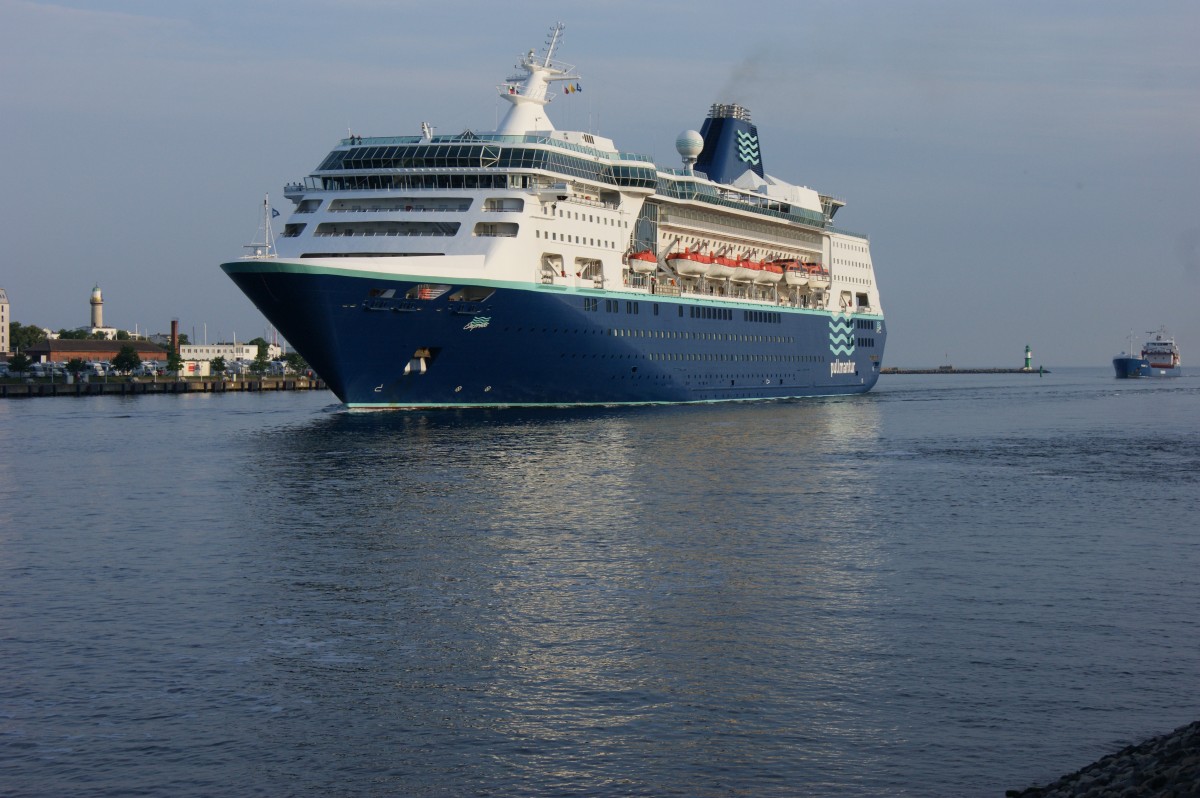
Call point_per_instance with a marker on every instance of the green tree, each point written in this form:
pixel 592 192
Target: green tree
pixel 123 335
pixel 262 345
pixel 19 363
pixel 174 362
pixel 126 360
pixel 217 366
pixel 22 336
pixel 73 335
pixel 296 362
pixel 260 364
pixel 76 366
pixel 183 340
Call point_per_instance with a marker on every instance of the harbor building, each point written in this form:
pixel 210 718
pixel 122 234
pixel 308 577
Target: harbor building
pixel 60 350
pixel 230 352
pixel 195 368
pixel 5 320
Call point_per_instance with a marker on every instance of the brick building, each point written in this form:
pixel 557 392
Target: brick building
pixel 61 350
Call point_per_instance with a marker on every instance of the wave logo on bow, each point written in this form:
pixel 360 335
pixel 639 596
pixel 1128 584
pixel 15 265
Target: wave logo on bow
pixel 478 323
pixel 747 147
pixel 841 341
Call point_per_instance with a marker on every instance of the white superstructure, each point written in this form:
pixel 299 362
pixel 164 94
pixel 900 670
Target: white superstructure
pixel 365 208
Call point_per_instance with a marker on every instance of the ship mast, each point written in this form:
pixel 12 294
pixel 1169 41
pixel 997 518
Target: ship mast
pixel 264 244
pixel 528 93
pixel 555 35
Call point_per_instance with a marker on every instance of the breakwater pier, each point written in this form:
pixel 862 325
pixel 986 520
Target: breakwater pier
pixel 951 370
pixel 22 390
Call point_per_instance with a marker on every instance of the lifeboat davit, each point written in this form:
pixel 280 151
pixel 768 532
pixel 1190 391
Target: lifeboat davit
pixel 818 276
pixel 689 264
pixel 721 267
pixel 644 262
pixel 768 273
pixel 744 271
pixel 794 273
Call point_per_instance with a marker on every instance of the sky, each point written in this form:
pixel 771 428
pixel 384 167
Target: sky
pixel 1028 172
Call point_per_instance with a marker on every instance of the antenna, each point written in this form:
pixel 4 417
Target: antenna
pixel 552 42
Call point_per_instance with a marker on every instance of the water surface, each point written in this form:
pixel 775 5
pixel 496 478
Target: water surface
pixel 954 585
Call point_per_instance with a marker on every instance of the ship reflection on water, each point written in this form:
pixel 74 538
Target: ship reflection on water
pixel 653 584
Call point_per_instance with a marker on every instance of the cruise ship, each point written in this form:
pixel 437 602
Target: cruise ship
pixel 535 266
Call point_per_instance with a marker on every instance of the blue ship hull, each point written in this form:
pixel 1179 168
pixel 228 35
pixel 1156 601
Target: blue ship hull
pixel 1129 367
pixel 380 341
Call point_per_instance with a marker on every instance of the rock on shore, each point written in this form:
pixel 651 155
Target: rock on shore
pixel 1163 767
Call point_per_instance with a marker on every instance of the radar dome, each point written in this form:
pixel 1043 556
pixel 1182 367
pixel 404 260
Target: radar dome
pixel 689 144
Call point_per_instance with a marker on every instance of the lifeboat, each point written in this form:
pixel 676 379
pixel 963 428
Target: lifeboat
pixel 744 271
pixel 689 264
pixel 721 267
pixel 818 276
pixel 768 273
pixel 794 273
pixel 644 262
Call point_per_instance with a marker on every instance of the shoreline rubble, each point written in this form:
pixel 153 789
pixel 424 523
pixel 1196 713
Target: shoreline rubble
pixel 1167 766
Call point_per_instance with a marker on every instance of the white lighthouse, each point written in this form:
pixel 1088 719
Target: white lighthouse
pixel 97 309
pixel 98 317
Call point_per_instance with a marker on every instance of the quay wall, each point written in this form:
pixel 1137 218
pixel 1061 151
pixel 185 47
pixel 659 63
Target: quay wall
pixel 24 390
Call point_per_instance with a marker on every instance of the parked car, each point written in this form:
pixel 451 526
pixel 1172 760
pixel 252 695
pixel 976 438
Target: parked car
pixel 47 370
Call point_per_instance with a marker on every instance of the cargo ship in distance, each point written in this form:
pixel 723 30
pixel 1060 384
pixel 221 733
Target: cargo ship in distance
pixel 1159 358
pixel 535 266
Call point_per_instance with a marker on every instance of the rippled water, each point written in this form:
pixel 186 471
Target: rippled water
pixel 952 586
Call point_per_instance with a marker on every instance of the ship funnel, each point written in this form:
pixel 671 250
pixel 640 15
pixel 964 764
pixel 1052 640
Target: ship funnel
pixel 730 144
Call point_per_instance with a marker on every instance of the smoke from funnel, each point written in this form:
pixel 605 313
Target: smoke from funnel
pixel 743 83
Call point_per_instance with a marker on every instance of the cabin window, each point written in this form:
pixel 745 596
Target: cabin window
pixel 504 204
pixel 427 291
pixel 472 293
pixel 496 229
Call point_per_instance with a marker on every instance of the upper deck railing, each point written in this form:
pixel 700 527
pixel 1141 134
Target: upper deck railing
pixel 490 138
pixel 681 185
